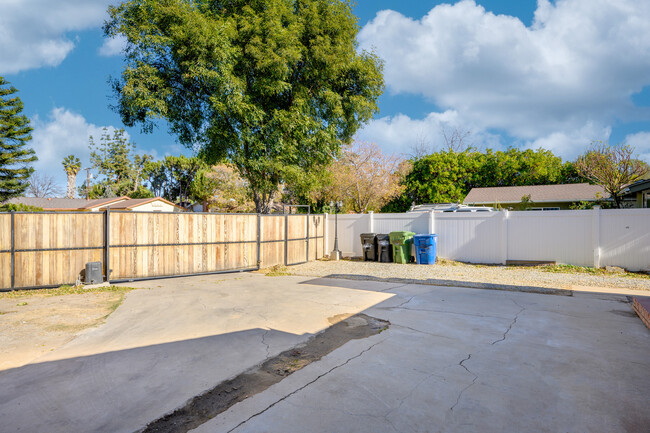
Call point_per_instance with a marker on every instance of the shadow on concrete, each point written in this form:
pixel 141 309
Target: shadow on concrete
pixel 122 391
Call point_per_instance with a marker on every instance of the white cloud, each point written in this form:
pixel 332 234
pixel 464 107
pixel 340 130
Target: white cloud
pixel 568 75
pixel 641 143
pixel 569 145
pixel 61 134
pixel 402 135
pixel 112 46
pixel 34 33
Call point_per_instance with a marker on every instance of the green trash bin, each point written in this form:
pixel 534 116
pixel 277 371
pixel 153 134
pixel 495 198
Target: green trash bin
pixel 401 242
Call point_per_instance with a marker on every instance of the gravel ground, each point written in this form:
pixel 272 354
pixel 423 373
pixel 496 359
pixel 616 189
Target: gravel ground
pixel 456 271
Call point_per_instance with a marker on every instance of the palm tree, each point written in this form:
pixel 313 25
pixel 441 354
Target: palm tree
pixel 71 165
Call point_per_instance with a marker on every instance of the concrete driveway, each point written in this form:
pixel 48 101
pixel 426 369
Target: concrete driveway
pixel 453 359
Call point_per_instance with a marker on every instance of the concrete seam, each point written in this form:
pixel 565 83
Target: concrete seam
pixel 304 386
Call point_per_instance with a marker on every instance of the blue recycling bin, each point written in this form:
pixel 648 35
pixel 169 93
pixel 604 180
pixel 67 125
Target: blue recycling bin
pixel 425 249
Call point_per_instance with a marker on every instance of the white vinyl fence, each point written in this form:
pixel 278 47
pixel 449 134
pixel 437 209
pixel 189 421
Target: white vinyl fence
pixel 612 237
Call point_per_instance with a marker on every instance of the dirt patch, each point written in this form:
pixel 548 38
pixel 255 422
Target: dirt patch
pixel 34 324
pixel 219 399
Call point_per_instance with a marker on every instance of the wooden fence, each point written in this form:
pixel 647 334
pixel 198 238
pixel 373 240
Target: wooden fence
pixel 46 249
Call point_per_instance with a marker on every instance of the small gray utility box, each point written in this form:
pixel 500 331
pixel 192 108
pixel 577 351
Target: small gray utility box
pixel 93 273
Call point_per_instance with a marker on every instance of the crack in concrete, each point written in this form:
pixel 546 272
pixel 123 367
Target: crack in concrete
pixel 265 343
pixel 422 332
pixel 403 303
pixel 445 312
pixel 461 363
pixel 393 288
pixel 407 396
pixel 304 386
pixel 511 323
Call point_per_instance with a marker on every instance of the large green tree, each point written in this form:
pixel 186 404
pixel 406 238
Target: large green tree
pixel 272 86
pixel 15 133
pixel 447 176
pixel 172 178
pixel 516 167
pixel 118 165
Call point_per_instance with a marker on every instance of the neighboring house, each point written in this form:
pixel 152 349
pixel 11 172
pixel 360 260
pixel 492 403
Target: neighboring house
pixel 448 207
pixel 542 197
pixel 156 204
pixel 637 194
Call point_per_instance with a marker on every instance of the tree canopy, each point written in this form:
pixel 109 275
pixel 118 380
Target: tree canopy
pixel 447 176
pixel 365 178
pixel 172 178
pixel 118 165
pixel 612 167
pixel 15 133
pixel 272 86
pixel 71 166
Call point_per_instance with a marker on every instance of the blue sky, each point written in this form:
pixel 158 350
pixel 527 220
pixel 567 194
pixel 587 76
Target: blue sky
pixel 519 73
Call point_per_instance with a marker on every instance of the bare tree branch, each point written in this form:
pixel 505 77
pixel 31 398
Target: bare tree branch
pixel 612 167
pixel 43 186
pixel 456 140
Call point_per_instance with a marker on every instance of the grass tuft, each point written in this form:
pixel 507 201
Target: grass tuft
pixel 573 269
pixel 65 290
pixel 276 271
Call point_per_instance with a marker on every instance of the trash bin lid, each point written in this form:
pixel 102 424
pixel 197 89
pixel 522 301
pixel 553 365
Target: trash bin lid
pixel 401 235
pixel 425 236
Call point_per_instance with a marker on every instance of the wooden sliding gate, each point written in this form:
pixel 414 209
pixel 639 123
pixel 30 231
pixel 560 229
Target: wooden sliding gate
pixel 46 249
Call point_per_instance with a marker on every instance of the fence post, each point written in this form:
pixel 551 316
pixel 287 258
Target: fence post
pixel 107 241
pixel 432 222
pixel 13 251
pixel 286 239
pixel 259 238
pixel 504 236
pixel 595 235
pixel 371 222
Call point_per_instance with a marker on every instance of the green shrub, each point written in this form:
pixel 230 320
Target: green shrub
pixel 19 207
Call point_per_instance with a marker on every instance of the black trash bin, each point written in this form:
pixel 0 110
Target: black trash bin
pixel 369 245
pixel 384 248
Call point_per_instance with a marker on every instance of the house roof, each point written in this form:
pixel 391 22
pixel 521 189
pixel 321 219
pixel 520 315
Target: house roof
pixel 51 203
pixel 639 185
pixel 131 203
pixel 81 204
pixel 102 201
pixel 538 193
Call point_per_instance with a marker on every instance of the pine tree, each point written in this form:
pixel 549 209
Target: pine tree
pixel 15 132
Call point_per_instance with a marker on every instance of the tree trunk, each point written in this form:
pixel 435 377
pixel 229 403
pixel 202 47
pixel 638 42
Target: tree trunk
pixel 263 202
pixel 72 184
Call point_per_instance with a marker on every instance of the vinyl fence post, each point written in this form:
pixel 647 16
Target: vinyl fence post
pixel 259 238
pixel 432 222
pixel 504 237
pixel 371 222
pixel 13 250
pixel 107 240
pixel 595 235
